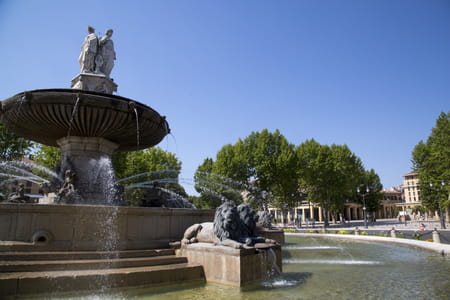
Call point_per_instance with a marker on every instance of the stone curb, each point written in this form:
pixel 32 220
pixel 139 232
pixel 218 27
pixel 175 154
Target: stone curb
pixel 443 249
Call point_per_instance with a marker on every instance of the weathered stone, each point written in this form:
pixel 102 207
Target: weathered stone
pixel 94 83
pixel 45 116
pixel 226 265
pixel 81 227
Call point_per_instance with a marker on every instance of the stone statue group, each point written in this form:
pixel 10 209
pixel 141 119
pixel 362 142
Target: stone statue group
pixel 97 53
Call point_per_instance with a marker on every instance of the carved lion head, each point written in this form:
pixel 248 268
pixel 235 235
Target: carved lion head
pixel 248 219
pixel 226 222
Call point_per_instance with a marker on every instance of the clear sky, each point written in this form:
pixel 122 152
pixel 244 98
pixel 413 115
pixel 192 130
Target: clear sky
pixel 370 74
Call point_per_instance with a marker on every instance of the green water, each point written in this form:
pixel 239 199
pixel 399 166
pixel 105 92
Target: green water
pixel 324 268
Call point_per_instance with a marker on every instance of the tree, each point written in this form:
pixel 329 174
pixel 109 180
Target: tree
pixel 328 173
pixel 371 181
pixel 206 185
pixel 265 159
pixel 140 169
pixel 48 156
pixel 272 163
pixel 13 147
pixel 431 160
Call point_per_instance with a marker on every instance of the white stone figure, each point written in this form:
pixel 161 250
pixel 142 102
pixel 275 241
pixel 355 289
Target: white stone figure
pixel 88 52
pixel 107 53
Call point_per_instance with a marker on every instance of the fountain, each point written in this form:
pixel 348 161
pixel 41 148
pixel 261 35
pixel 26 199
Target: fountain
pixel 326 268
pixel 88 230
pixel 87 122
pixel 86 126
pixel 88 239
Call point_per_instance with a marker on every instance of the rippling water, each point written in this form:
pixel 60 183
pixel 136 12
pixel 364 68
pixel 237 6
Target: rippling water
pixel 323 268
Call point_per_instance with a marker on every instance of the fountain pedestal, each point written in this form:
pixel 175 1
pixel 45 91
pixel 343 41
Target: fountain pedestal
pixel 226 265
pixel 83 156
pixel 94 82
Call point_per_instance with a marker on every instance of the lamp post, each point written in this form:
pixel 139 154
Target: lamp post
pixel 364 204
pixel 441 214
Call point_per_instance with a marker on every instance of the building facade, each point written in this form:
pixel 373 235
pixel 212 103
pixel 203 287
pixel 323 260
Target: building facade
pixel 411 190
pixel 307 213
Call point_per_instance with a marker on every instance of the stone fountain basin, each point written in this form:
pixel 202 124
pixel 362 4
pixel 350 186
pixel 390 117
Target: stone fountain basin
pixel 45 116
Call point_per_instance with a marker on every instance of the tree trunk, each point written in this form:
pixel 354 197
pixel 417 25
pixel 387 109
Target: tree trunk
pixel 325 215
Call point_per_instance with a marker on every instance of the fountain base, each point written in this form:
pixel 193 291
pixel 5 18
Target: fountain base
pixel 229 266
pixel 82 227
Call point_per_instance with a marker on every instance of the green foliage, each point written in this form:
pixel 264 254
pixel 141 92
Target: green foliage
pixel 200 202
pixel 48 156
pixel 381 234
pixel 149 160
pixel 13 147
pixel 272 163
pixel 209 186
pixel 155 166
pixel 432 162
pixel 370 180
pixel 266 159
pixel 419 209
pixel 417 235
pixel 328 173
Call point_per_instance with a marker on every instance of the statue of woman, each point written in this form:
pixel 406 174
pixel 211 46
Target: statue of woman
pixel 88 52
pixel 107 52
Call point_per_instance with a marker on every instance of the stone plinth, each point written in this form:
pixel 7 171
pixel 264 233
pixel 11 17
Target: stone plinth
pixel 83 156
pixel 89 227
pixel 94 83
pixel 226 265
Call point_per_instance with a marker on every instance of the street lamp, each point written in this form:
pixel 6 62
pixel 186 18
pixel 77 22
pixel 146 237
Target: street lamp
pixel 441 215
pixel 364 204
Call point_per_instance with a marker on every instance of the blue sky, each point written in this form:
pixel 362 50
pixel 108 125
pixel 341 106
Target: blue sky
pixel 370 74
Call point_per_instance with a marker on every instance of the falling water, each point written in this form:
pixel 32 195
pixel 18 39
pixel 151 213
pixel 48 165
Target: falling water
pixel 23 167
pixel 137 127
pixel 103 176
pixel 151 183
pixel 108 230
pixel 273 269
pixel 214 193
pixel 211 181
pixel 17 177
pixel 217 184
pixel 19 170
pixel 73 115
pixel 152 173
pixel 235 183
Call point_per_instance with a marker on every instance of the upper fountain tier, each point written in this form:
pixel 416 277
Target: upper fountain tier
pixel 46 116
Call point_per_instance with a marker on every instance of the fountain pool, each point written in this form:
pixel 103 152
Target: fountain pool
pixel 324 268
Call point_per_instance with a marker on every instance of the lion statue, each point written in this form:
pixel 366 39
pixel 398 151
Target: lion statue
pixel 249 220
pixel 264 219
pixel 223 231
pixel 233 226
